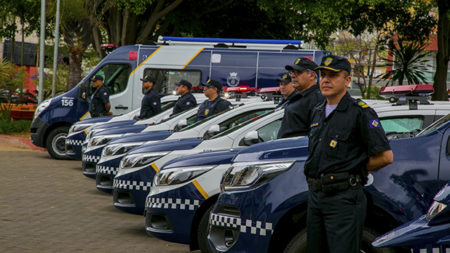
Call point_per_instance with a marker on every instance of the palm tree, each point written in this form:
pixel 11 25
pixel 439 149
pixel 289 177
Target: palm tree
pixel 409 62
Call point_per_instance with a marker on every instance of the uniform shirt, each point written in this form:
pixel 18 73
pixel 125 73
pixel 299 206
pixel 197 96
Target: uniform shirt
pixel 297 112
pixel 344 141
pixel 99 99
pixel 150 105
pixel 185 102
pixel 208 108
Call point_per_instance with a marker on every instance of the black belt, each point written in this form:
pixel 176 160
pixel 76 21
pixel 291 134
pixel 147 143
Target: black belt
pixel 333 182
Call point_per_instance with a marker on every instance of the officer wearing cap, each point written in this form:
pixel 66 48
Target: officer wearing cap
pixel 100 104
pixel 346 142
pixel 214 104
pixel 187 100
pixel 298 109
pixel 286 89
pixel 151 102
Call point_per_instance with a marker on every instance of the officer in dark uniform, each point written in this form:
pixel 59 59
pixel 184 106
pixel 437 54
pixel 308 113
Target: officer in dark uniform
pixel 299 107
pixel 187 100
pixel 214 104
pixel 286 89
pixel 100 104
pixel 346 142
pixel 151 102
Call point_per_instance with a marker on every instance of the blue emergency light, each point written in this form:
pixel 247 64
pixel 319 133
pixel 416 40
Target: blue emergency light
pixel 219 40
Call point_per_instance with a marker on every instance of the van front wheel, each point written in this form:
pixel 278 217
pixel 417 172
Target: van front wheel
pixel 56 143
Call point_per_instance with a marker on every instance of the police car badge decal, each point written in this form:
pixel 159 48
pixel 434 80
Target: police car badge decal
pixel 233 79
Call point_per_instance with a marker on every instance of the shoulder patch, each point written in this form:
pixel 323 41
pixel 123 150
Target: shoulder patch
pixel 363 104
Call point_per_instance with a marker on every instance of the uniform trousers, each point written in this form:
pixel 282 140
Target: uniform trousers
pixel 335 221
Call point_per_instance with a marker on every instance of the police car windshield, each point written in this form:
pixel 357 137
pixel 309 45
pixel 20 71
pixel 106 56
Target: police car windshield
pixel 435 125
pixel 190 126
pixel 226 132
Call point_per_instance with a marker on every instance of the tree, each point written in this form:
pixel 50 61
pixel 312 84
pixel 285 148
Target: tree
pixel 443 54
pixel 409 60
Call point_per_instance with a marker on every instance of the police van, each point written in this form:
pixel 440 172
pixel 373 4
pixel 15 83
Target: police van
pixel 233 62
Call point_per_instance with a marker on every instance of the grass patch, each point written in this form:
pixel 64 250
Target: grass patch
pixel 8 126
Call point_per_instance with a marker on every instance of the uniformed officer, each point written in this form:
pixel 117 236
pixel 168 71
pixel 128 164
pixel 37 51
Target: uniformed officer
pixel 214 104
pixel 100 104
pixel 151 102
pixel 346 143
pixel 187 100
pixel 298 109
pixel 286 89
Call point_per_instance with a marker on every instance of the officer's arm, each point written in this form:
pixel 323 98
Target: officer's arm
pixel 107 108
pixel 380 160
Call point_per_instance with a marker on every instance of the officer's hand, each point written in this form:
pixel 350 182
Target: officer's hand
pixel 109 113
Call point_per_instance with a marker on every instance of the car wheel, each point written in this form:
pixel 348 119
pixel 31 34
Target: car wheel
pixel 56 143
pixel 202 232
pixel 298 243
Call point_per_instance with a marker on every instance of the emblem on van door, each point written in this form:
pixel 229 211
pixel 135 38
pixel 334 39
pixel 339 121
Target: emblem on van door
pixel 233 79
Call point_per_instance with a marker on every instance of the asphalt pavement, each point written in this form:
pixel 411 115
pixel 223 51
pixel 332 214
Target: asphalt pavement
pixel 47 205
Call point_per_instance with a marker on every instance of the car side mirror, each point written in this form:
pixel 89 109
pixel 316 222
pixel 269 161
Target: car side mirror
pixel 213 130
pixel 250 138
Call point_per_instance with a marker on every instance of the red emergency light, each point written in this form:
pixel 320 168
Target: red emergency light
pixel 239 89
pixel 132 55
pixel 403 90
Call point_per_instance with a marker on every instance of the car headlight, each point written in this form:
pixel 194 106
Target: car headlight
pixel 140 160
pixel 101 140
pixel 78 128
pixel 245 175
pixel 179 175
pixel 119 149
pixel 41 107
pixel 436 210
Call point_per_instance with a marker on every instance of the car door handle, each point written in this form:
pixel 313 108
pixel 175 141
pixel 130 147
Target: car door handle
pixel 121 107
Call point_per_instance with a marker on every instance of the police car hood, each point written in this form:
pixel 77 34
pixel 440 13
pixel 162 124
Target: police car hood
pixel 108 125
pixel 204 158
pixel 418 232
pixel 291 148
pixel 142 137
pixel 167 145
pixel 95 120
pixel 124 129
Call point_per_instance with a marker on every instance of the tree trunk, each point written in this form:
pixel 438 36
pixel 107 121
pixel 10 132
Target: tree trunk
pixel 75 58
pixel 126 14
pixel 442 57
pixel 23 42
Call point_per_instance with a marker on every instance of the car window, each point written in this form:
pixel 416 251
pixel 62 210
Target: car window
pixel 115 76
pixel 167 105
pixel 239 119
pixel 402 125
pixel 226 132
pixel 435 125
pixel 166 78
pixel 269 132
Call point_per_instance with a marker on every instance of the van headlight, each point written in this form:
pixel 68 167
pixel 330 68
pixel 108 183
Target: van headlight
pixel 119 149
pixel 246 175
pixel 41 107
pixel 435 210
pixel 101 140
pixel 140 160
pixel 78 128
pixel 179 175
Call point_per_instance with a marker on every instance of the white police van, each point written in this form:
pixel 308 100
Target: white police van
pixel 233 62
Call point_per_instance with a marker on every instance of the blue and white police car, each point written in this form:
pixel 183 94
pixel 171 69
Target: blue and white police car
pixel 116 149
pixel 262 206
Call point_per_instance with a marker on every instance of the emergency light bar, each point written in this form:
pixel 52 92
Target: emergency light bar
pixel 246 43
pixel 272 93
pixel 410 94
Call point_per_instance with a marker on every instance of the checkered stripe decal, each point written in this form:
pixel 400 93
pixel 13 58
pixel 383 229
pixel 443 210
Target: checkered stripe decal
pixel 170 203
pixel 247 226
pixel 91 158
pixel 74 142
pixel 432 250
pixel 132 185
pixel 106 170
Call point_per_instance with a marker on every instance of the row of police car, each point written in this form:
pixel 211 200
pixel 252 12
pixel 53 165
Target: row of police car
pixel 225 184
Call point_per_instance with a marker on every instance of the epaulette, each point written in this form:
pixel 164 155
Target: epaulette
pixel 361 103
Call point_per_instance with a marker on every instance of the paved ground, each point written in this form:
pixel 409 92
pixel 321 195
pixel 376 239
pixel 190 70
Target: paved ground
pixel 49 206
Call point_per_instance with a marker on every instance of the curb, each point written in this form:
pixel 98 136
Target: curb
pixel 18 142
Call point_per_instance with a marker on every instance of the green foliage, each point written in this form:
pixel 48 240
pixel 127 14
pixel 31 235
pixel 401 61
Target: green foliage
pixel 11 76
pixel 8 125
pixel 409 63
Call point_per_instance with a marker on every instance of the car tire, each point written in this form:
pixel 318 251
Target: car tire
pixel 202 232
pixel 55 143
pixel 298 243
